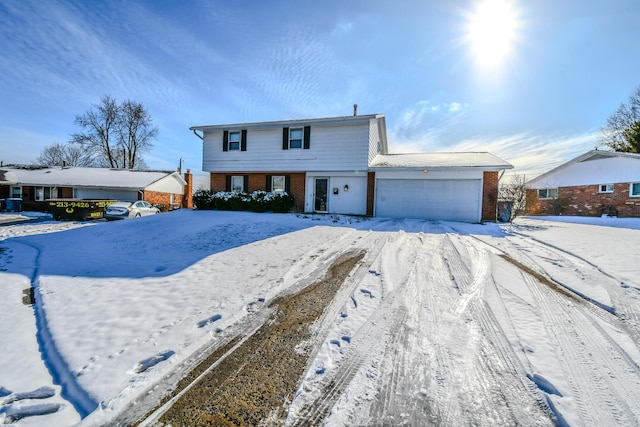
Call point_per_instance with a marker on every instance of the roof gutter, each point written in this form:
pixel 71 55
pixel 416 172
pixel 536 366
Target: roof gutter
pixel 196 134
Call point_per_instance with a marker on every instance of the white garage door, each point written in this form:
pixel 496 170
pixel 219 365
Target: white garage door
pixel 452 200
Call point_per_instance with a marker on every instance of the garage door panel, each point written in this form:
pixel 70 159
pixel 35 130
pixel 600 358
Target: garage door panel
pixel 454 200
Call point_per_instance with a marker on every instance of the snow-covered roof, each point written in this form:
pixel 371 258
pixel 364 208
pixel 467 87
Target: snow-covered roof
pixel 82 177
pixel 580 170
pixel 476 160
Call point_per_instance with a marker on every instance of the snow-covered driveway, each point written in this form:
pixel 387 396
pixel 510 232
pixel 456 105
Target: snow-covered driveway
pixel 535 322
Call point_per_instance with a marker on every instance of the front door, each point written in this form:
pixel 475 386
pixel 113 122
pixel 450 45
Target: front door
pixel 320 204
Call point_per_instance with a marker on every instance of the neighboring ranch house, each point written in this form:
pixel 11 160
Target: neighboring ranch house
pixel 37 184
pixel 593 184
pixel 341 165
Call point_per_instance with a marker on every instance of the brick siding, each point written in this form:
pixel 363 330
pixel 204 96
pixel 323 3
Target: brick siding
pixel 187 198
pixel 585 200
pixel 258 181
pixel 161 198
pixel 490 196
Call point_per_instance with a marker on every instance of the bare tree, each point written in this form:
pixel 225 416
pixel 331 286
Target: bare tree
pixel 515 192
pixel 64 155
pixel 117 135
pixel 622 131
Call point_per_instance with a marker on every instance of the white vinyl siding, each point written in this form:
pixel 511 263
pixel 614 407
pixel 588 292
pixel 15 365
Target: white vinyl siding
pixel 332 148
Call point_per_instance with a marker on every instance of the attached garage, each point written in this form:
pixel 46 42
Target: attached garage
pixel 437 186
pixel 444 199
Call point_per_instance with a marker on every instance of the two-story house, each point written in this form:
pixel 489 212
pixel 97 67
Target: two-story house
pixel 341 165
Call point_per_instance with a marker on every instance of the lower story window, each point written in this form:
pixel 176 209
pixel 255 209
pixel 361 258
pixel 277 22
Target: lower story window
pixel 548 193
pixel 44 193
pixel 606 188
pixel 277 184
pixel 634 190
pixel 237 184
pixel 16 192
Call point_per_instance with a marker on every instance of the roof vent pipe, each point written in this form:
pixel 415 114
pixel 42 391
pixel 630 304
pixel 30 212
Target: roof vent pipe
pixel 355 110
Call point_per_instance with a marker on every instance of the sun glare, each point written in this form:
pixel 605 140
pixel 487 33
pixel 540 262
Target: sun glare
pixel 492 30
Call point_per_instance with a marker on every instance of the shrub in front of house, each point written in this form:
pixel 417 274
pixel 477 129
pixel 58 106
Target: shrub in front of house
pixel 258 201
pixel 203 200
pixel 281 202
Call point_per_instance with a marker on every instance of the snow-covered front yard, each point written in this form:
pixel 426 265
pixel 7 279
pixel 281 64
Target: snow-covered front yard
pixel 536 322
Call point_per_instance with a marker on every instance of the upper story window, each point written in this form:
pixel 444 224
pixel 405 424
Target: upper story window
pixel 606 188
pixel 548 193
pixel 235 140
pixel 293 138
pixel 634 189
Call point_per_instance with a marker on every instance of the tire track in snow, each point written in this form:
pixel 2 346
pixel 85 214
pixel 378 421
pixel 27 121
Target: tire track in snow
pixel 582 354
pixel 370 336
pixel 496 372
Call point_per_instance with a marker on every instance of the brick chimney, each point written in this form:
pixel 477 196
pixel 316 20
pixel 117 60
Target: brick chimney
pixel 187 198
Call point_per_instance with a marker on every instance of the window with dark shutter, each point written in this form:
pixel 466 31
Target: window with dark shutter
pixel 243 140
pixel 287 184
pixel 285 138
pixel 267 185
pixel 227 183
pixel 307 137
pixel 225 140
pixel 245 183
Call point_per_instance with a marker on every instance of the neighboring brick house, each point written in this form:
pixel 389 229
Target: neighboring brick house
pixel 34 185
pixel 341 165
pixel 593 184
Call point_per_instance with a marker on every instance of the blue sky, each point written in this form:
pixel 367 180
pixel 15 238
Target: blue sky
pixel 566 67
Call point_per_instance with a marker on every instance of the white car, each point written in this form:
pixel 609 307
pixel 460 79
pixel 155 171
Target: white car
pixel 122 210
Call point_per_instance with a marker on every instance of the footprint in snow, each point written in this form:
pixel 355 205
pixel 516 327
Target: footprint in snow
pixel 149 362
pixel 39 393
pixel 205 322
pixel 367 293
pixel 544 384
pixel 13 414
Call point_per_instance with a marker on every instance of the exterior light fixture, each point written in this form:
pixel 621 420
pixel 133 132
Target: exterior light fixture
pixel 425 170
pixel 346 188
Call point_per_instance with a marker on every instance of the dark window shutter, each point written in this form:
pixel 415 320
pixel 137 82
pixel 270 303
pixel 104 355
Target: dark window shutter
pixel 287 184
pixel 245 184
pixel 228 183
pixel 285 138
pixel 225 141
pixel 243 140
pixel 307 137
pixel 267 185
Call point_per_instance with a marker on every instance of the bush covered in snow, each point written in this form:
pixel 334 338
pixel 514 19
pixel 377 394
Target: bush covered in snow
pixel 258 201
